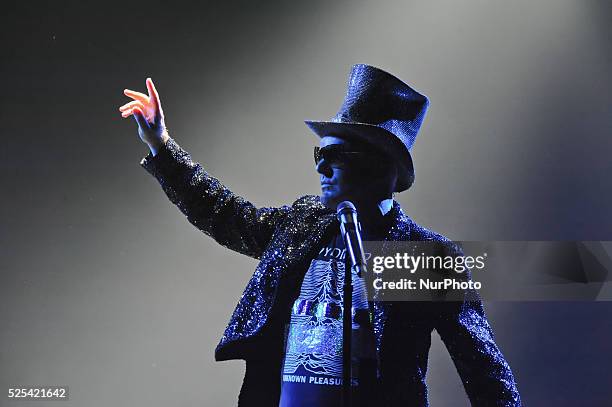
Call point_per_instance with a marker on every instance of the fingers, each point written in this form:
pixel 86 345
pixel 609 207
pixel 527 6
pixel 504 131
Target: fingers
pixel 155 100
pixel 153 92
pixel 128 108
pixel 140 119
pixel 136 95
pixel 127 113
pixel 132 105
pixel 143 103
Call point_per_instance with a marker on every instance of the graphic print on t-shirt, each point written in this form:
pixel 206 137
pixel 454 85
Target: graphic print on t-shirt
pixel 312 369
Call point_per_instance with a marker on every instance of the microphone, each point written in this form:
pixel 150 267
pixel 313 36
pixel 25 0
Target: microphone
pixel 351 232
pixel 366 372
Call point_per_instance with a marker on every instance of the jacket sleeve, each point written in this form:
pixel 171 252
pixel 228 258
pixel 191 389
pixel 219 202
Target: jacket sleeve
pixel 209 205
pixel 464 329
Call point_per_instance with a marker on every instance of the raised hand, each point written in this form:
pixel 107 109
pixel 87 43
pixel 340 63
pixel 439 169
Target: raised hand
pixel 149 116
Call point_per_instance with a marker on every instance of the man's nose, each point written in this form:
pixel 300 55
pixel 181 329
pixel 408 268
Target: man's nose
pixel 324 169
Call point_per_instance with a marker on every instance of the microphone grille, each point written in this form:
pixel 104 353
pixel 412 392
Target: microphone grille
pixel 345 206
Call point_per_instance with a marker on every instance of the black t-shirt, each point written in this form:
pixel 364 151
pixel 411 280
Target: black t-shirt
pixel 312 366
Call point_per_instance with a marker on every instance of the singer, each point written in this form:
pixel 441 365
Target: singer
pixel 287 325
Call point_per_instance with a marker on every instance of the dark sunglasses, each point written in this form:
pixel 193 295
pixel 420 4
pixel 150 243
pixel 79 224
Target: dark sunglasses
pixel 336 154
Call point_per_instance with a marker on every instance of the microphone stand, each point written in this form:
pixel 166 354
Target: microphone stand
pixel 350 230
pixel 347 328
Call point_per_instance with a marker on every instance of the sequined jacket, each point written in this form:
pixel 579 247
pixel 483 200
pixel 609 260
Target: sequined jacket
pixel 284 239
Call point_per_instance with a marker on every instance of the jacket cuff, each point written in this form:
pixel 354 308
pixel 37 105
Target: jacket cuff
pixel 164 163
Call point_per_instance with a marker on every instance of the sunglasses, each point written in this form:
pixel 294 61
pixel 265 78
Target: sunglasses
pixel 337 154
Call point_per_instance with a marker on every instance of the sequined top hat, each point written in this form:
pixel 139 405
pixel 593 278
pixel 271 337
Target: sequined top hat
pixel 381 110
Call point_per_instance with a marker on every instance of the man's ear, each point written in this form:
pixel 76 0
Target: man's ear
pixel 393 177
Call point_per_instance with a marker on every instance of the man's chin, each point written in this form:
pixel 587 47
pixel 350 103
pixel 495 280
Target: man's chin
pixel 329 202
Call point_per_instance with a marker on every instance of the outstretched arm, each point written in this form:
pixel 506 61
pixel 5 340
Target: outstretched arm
pixel 208 204
pixel 464 329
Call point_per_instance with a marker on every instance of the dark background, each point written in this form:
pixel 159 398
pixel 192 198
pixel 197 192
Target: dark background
pixel 106 288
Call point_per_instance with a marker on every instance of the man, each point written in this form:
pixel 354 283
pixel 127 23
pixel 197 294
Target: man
pixel 287 324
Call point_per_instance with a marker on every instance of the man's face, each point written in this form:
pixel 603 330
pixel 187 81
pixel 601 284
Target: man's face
pixel 347 176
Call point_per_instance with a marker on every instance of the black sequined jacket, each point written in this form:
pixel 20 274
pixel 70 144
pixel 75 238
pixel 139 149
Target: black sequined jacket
pixel 284 239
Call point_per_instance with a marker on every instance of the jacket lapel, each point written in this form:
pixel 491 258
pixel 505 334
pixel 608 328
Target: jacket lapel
pixel 398 231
